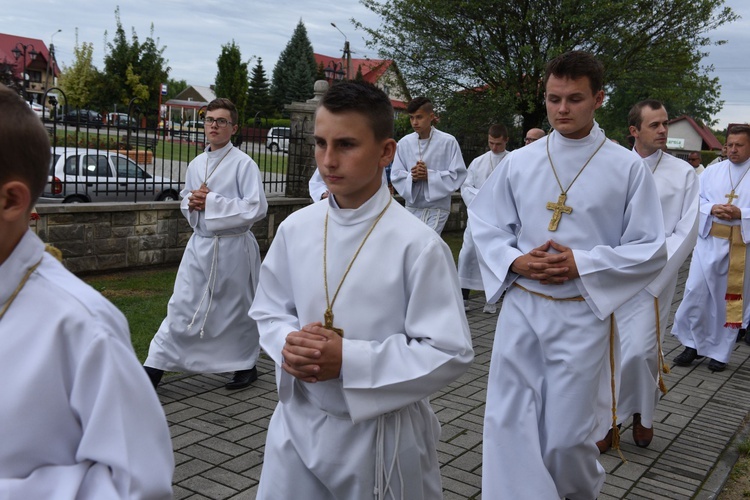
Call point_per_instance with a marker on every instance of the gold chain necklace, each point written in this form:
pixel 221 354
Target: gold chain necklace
pixel 731 195
pixel 560 208
pixel 328 315
pixel 19 287
pixel 207 174
pixel 661 154
pixel 419 146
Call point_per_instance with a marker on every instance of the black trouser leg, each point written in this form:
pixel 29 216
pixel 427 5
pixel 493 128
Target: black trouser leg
pixel 465 293
pixel 154 374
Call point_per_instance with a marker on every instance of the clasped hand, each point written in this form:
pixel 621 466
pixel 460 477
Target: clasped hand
pixel 197 199
pixel 726 211
pixel 313 354
pixel 545 267
pixel 419 171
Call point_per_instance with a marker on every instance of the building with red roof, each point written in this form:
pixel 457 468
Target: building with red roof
pixel 382 73
pixel 41 67
pixel 686 135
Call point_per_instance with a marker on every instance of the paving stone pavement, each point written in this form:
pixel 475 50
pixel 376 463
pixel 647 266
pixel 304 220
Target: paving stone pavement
pixel 219 435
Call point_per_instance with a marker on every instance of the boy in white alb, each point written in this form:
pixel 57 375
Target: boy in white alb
pixel 207 329
pixel 428 167
pixel 78 417
pixel 479 170
pixel 360 342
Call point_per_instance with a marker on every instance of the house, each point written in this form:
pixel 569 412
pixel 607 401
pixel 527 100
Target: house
pixel 685 135
pixel 383 73
pixel 40 63
pixel 187 104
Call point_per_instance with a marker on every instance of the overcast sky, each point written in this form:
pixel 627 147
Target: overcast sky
pixel 194 31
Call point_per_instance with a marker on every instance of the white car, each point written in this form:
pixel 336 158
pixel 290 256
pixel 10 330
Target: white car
pixel 38 109
pixel 80 175
pixel 278 138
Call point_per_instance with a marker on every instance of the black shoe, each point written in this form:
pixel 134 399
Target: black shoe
pixel 716 366
pixel 741 335
pixel 747 337
pixel 242 378
pixel 686 357
pixel 154 374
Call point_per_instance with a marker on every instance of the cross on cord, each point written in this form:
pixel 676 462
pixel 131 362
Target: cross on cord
pixel 558 209
pixel 730 197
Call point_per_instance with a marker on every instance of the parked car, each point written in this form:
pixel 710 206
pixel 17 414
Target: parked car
pixel 79 175
pixel 37 109
pixel 84 117
pixel 278 138
pixel 122 120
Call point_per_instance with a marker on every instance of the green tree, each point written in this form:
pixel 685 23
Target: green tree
pixel 232 77
pixel 444 46
pixel 295 71
pixel 77 80
pixel 174 87
pixel 259 95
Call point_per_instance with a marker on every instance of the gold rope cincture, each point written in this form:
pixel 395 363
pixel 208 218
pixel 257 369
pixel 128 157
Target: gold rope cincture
pixel 207 174
pixel 560 208
pixel 736 271
pixel 730 197
pixel 615 430
pixel 19 287
pixel 328 314
pixel 661 365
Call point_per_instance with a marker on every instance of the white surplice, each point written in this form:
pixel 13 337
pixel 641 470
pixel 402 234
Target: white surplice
pixel 700 318
pixel 429 200
pixel 678 187
pixel 551 357
pixel 79 418
pixel 478 172
pixel 207 329
pixel 405 337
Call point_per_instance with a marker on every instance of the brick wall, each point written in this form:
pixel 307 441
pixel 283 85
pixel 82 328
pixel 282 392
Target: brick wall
pixel 115 236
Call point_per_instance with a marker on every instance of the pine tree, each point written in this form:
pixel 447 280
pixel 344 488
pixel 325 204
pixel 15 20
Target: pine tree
pixel 259 95
pixel 232 77
pixel 295 72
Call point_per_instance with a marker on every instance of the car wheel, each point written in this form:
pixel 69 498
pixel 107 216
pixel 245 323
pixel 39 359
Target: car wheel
pixel 167 196
pixel 75 199
pixel 273 147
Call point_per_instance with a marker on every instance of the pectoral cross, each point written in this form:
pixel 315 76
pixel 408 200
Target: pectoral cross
pixel 558 209
pixel 328 317
pixel 730 197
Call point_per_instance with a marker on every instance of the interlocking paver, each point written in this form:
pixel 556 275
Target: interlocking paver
pixel 219 436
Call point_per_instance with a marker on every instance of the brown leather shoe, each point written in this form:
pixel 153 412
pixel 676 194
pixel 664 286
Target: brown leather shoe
pixel 641 435
pixel 605 444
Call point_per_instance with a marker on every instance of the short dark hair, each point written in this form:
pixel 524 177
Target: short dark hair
pixel 574 65
pixel 739 129
pixel 224 103
pixel 363 98
pixel 24 144
pixel 419 102
pixel 498 130
pixel 635 116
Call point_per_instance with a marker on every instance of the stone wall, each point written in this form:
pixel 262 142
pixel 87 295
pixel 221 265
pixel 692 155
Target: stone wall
pixel 116 236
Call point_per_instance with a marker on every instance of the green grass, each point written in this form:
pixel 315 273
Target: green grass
pixel 142 296
pixel 183 151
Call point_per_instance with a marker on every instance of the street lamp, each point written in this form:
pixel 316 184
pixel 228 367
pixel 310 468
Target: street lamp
pixel 17 53
pixel 347 53
pixel 50 60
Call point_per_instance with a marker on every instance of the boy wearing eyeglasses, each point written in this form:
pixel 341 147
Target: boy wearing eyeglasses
pixel 207 329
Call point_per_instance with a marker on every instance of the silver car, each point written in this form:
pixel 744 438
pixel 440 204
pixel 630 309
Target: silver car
pixel 79 175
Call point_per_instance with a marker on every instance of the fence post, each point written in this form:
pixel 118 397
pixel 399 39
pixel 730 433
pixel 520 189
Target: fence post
pixel 301 163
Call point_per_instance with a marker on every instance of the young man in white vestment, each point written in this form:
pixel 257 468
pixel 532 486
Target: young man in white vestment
pixel 479 170
pixel 207 329
pixel 428 167
pixel 713 306
pixel 642 320
pixel 78 417
pixel 571 226
pixel 694 159
pixel 360 342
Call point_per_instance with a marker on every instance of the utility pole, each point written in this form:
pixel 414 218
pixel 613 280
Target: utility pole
pixel 347 54
pixel 50 62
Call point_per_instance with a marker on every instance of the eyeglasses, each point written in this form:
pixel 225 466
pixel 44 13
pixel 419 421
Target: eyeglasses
pixel 528 140
pixel 220 122
pixel 694 159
